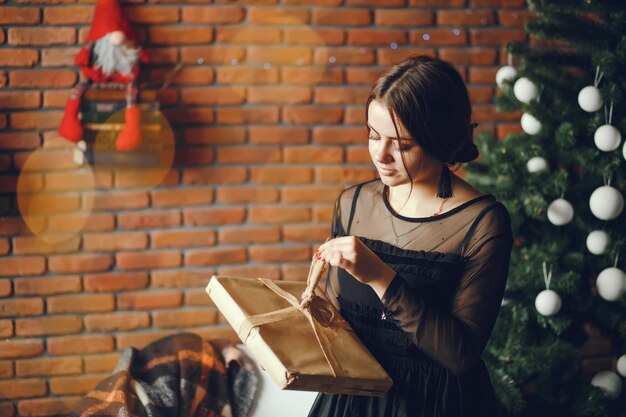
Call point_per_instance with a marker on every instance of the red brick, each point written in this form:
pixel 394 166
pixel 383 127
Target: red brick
pixel 246 75
pixel 214 216
pixel 215 135
pixel 279 55
pixel 80 303
pixel 115 200
pixel 151 14
pixel 92 222
pixel 483 75
pixel 279 253
pixel 29 245
pixel 279 95
pixel 180 35
pixel 282 16
pixel 221 176
pixel 398 18
pixel 6 371
pixel 148 300
pixel 279 214
pixel 220 255
pixel 94 242
pixel 194 156
pixel 340 135
pixel 438 37
pixel 65 385
pixel 21 140
pixel 248 35
pixel 5 246
pixel 80 263
pixel 341 95
pixel 311 76
pixel 101 363
pixel 248 155
pixel 299 233
pixel 514 18
pixel 116 321
pixel 38 120
pixel 296 272
pixel 265 114
pixel 7 409
pixel 497 3
pixel 376 37
pixel 5 287
pixel 47 285
pixel 18 57
pixel 339 17
pixel 148 219
pixel 213 95
pixel 256 194
pixel 344 56
pixel 257 234
pixel 175 197
pixel 197 297
pixel 44 159
pixel 437 3
pixel 180 278
pixel 47 406
pixel 182 238
pixel 184 76
pixel 310 194
pixel 41 36
pixel 48 366
pixel 19 15
pixel 22 388
pixel 42 78
pixel 58 57
pixel 22 265
pixel 468 56
pixel 6 328
pixel 149 177
pixel 21 307
pixel 314 2
pixel 185 318
pixel 465 18
pixel 323 214
pixel 278 174
pixel 20 348
pixel 212 15
pixel 115 281
pixel 48 325
pixel 246 271
pixel 140 340
pixel 163 55
pixel 66 345
pixel 68 15
pixel 496 36
pixel 344 175
pixel 272 135
pixel 148 260
pixel 505 129
pixel 313 154
pixel 212 54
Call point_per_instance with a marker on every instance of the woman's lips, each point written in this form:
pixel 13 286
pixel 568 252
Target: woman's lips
pixel 385 171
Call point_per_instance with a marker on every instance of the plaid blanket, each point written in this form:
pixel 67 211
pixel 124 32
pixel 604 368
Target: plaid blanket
pixel 177 376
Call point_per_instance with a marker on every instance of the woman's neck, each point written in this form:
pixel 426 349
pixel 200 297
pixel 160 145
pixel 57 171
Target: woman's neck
pixel 422 200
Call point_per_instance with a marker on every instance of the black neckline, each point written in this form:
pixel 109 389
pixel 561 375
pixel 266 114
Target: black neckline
pixel 431 218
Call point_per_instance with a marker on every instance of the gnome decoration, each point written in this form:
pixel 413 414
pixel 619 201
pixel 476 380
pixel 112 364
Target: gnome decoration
pixel 110 55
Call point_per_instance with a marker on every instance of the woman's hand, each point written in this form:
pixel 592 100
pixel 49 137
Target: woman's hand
pixel 230 352
pixel 349 253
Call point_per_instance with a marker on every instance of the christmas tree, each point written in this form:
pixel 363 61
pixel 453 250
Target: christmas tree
pixel 561 180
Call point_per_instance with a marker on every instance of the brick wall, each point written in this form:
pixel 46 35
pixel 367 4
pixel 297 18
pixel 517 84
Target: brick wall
pixel 263 146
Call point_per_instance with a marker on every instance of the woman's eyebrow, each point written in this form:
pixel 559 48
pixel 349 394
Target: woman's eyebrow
pixel 368 125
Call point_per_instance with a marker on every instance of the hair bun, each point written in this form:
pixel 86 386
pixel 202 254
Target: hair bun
pixel 467 153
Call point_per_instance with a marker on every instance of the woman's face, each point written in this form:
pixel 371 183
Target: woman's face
pixel 386 148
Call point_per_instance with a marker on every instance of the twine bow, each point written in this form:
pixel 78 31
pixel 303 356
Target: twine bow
pixel 319 312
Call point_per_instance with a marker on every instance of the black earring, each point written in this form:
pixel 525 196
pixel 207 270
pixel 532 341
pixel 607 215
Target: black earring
pixel 445 187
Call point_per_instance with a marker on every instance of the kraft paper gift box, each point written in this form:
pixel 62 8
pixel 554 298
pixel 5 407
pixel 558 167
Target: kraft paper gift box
pixel 297 335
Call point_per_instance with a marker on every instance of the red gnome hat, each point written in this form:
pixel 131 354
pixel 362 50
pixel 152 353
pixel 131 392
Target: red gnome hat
pixel 109 17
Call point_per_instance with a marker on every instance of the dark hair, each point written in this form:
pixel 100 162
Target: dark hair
pixel 430 98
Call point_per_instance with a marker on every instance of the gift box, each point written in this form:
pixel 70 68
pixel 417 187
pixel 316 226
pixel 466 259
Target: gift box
pixel 297 335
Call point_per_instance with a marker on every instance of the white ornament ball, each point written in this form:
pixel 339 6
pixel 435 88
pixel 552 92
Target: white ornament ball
pixel 525 90
pixel 607 138
pixel 505 73
pixel 536 164
pixel 610 283
pixel 624 150
pixel 606 203
pixel 548 303
pixel 621 365
pixel 598 241
pixel 590 99
pixel 609 382
pixel 560 212
pixel 530 124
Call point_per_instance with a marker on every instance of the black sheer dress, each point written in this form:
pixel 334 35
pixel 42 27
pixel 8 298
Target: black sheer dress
pixel 438 312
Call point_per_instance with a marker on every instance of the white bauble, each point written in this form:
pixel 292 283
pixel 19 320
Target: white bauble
pixel 606 203
pixel 607 138
pixel 560 212
pixel 609 382
pixel 548 303
pixel 621 365
pixel 610 283
pixel 525 90
pixel 598 241
pixel 536 164
pixel 590 99
pixel 624 150
pixel 530 124
pixel 506 73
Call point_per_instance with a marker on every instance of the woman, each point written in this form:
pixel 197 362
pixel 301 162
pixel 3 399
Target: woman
pixel 419 258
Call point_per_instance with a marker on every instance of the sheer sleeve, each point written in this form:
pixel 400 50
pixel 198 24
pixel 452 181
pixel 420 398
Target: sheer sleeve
pixel 337 229
pixel 456 338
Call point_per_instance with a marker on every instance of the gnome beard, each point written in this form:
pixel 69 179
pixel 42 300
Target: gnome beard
pixel 112 58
